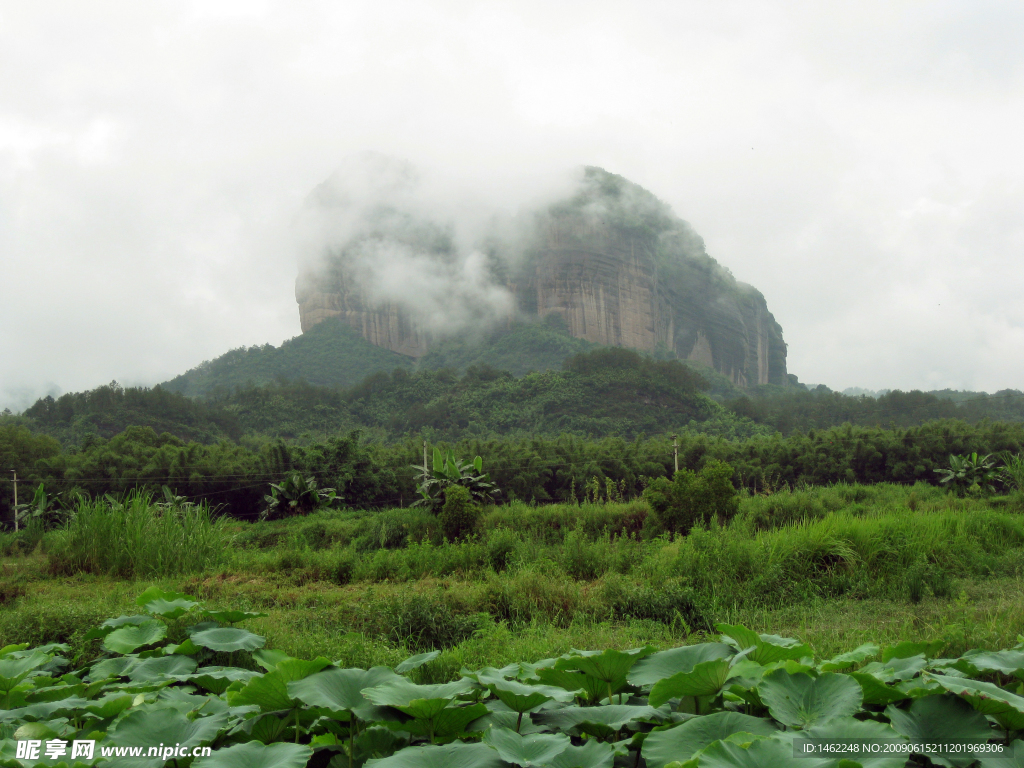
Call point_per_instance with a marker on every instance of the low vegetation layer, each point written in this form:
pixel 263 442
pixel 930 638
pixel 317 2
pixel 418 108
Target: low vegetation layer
pixel 179 673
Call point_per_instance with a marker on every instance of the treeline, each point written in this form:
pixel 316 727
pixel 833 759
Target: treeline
pixel 602 392
pixel 374 474
pixel 608 391
pixel 797 409
pixel 108 410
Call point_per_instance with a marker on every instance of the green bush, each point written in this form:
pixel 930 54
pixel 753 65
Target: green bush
pixel 692 497
pixel 503 546
pixel 584 560
pixel 459 514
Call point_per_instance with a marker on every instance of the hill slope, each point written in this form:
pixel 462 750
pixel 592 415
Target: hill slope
pixel 330 355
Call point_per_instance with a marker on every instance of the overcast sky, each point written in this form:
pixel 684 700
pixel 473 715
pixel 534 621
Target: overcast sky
pixel 859 162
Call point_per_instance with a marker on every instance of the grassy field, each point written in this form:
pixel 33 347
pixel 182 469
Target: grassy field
pixel 835 567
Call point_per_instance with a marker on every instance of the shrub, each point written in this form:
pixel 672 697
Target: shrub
pixel 503 547
pixel 693 497
pixel 584 560
pixel 459 514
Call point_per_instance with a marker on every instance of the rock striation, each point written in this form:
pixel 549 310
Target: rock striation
pixel 613 261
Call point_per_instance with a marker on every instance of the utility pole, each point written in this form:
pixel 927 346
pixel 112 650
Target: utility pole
pixel 15 473
pixel 675 450
pixel 424 457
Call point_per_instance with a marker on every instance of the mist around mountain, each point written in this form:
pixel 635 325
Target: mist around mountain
pixel 601 254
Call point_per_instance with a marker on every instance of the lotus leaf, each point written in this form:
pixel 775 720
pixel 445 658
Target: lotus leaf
pixel 160 668
pixel 107 668
pixel 416 661
pixel 296 669
pixel 849 728
pixel 613 716
pixel 706 679
pixel 684 741
pixel 665 664
pixel 535 749
pixel 170 609
pixel 449 723
pixel 906 650
pixel 989 699
pixel 339 689
pixel 522 698
pixel 228 639
pixel 1013 757
pixel 35 731
pixel 155 593
pixel 593 687
pixel 167 726
pixel 130 638
pixel 901 668
pixel 942 719
pixel 377 743
pixel 765 648
pixel 592 754
pixel 44 710
pixel 252 754
pixel 1004 662
pixel 762 753
pixel 269 692
pixel 454 755
pixel 858 655
pixel 801 700
pixel 405 695
pixel 109 706
pixel 875 691
pixel 110 625
pixel 610 666
pixel 269 658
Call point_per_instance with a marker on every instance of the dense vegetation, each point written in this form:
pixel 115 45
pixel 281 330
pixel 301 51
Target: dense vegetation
pixel 518 349
pixel 796 409
pixel 180 673
pixel 330 354
pixel 374 474
pixel 334 603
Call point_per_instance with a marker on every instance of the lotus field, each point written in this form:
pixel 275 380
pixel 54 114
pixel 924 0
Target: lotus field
pixel 743 701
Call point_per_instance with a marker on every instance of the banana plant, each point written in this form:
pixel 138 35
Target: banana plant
pixel 970 471
pixel 43 509
pixel 448 470
pixel 296 495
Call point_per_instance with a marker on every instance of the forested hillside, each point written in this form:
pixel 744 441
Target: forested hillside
pixel 604 392
pixel 459 392
pixel 330 355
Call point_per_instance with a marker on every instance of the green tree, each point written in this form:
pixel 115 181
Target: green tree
pixel 693 497
pixel 459 514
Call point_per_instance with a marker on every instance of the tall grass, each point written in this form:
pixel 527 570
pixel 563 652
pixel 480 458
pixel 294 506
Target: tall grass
pixel 136 538
pixel 878 554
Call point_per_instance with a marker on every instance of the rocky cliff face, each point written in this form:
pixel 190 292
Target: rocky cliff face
pixel 614 262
